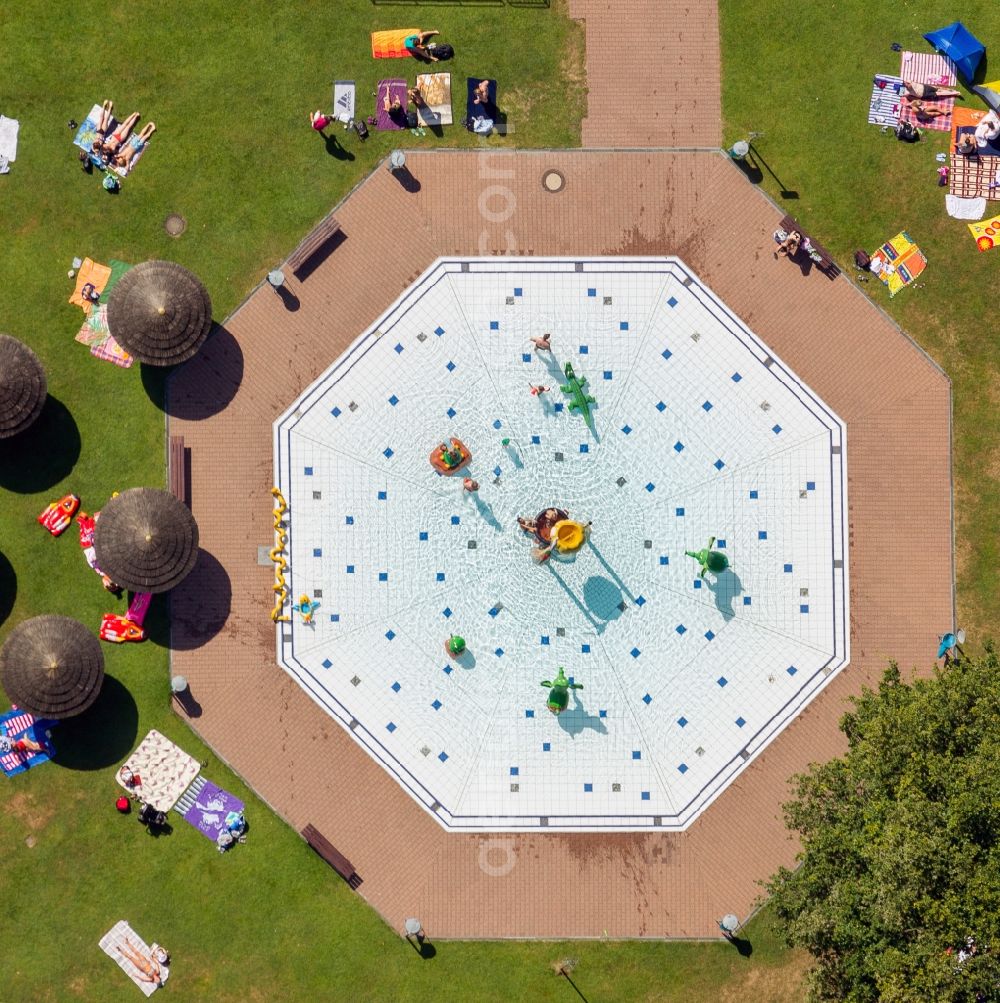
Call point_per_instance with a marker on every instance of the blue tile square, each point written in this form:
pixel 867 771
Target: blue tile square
pixel 602 713
pixel 383 576
pixel 740 722
pixel 585 649
pixel 718 464
pixel 387 452
pixel 776 430
pixel 623 326
pixel 525 357
pixel 709 635
pixel 683 768
pixel 698 583
pixel 804 608
pixel 707 406
pixel 635 652
pixel 447 670
pixel 636 754
pixel 390 727
pixel 588 788
pixel 514 770
pixel 529 713
pixel 661 407
pixel 308 471
pixel 443 756
pixel 334 618
pixel 678 447
pixel 494 325
pixel 348 520
pixel 664 559
pixel 446 612
pixel 680 628
pixel 536 440
pixel 336 412
pixel 644 795
pixel 496 471
pixel 791 670
pixel 736 377
pixel 679 512
pixel 754 495
pixel 722 680
pixel 546 746
pixel 456 519
pixel 317 551
pixel 672 302
pixel 584 448
pixel 682 721
pixel 666 353
pixel 650 486
pixel 627 429
pixel 647 699
pixel 640 600
pixel 810 485
pixel 746 600
pixel 398 349
pixel 327 663
pixel 450 366
pixel 761 534
pixel 494 612
pixel 591 292
pixel 584 350
pixel 396 687
pixel 390 634
pixel 544 639
pixel 788 569
pixel 393 400
pixel 350 569
pixel 721 544
pixel 451 412
pixel 422 535
pixel 498 652
pixel 558 407
pixel 439 331
pixel 436 704
pixel 382 495
pixel 517 290
pixel 439 576
pixel 607 374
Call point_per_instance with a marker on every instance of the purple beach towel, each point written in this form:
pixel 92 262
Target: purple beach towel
pixel 205 805
pixel 383 120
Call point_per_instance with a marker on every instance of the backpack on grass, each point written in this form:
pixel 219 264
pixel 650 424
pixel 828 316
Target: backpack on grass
pixel 907 132
pixel 440 50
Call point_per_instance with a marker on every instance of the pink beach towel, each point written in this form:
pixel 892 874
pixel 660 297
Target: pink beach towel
pixel 928 68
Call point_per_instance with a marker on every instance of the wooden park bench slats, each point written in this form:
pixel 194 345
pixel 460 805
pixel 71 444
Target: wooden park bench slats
pixel 177 469
pixel 313 242
pixel 827 265
pixel 331 855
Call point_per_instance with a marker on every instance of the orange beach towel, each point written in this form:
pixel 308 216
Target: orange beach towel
pixel 389 44
pixel 90 271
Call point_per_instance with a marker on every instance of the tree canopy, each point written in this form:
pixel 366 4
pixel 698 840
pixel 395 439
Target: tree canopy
pixel 899 865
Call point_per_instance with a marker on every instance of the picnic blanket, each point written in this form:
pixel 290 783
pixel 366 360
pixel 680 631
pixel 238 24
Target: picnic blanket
pixel 974 177
pixel 8 137
pixel 343 100
pixel 17 723
pixel 389 44
pixel 383 120
pixel 164 769
pixel 898 262
pixel 435 89
pixel 115 938
pixel 472 110
pixel 986 234
pixel 205 806
pixel 928 68
pixel 98 338
pixel 883 109
pixel 97 275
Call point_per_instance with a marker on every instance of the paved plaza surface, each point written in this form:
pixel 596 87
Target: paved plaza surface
pixel 699 207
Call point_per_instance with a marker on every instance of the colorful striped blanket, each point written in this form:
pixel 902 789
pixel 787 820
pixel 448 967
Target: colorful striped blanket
pixel 883 109
pixel 928 68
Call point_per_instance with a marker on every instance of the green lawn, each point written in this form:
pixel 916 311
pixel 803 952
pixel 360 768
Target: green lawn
pixel 230 90
pixel 801 75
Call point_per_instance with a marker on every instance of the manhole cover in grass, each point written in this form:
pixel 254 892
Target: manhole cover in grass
pixel 553 181
pixel 175 225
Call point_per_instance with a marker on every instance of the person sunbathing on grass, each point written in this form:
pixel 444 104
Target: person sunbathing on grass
pixel 393 107
pixel 923 112
pixel 104 120
pixel 24 744
pixel 134 145
pixel 966 145
pixel 416 45
pixel 113 143
pixel 416 97
pixel 481 94
pixel 148 968
pixel 929 92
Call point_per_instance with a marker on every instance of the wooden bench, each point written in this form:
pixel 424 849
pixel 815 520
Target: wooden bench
pixel 313 242
pixel 177 479
pixel 331 855
pixel 826 264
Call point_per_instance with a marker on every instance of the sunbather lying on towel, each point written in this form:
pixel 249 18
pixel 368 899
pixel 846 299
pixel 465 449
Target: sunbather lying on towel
pixel 966 145
pixel 104 122
pixel 19 745
pixel 134 145
pixel 922 111
pixel 481 95
pixel 929 92
pixel 416 45
pixel 113 143
pixel 413 93
pixel 988 129
pixel 148 967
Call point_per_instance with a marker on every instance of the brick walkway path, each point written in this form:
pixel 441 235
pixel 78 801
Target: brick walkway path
pixel 897 408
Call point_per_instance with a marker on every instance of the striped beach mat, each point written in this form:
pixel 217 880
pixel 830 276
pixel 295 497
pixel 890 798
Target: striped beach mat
pixel 928 68
pixel 883 109
pixel 17 723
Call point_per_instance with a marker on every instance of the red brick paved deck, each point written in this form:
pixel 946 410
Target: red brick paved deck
pixel 699 206
pixel 653 73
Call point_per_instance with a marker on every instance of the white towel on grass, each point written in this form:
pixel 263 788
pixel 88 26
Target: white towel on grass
pixel 115 938
pixel 8 137
pixel 959 208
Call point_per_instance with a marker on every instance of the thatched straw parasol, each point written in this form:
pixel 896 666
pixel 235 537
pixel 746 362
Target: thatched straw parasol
pixel 146 540
pixel 23 388
pixel 160 313
pixel 52 666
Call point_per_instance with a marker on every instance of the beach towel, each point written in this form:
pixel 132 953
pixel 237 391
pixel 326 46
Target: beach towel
pixel 383 120
pixel 8 137
pixel 435 89
pixel 118 269
pixel 164 770
pixel 883 109
pixel 986 234
pixel 96 274
pixel 124 172
pixel 115 938
pixel 473 110
pixel 97 337
pixel 87 132
pixel 928 68
pixel 898 262
pixel 389 44
pixel 17 723
pixel 343 100
pixel 959 208
pixel 205 806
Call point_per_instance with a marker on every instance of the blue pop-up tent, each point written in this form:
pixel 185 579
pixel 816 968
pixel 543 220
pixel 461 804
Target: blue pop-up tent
pixel 961 45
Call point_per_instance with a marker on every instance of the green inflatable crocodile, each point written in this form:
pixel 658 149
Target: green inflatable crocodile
pixel 710 560
pixel 559 692
pixel 579 400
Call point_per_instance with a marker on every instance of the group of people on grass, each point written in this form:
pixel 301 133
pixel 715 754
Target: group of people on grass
pixel 120 146
pixel 969 144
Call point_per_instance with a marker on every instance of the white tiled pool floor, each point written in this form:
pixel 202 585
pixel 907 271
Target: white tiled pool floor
pixel 699 432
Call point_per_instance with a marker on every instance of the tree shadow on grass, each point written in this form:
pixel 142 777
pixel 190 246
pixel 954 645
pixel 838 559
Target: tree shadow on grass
pixel 43 454
pixel 8 587
pixel 104 734
pixel 201 387
pixel 199 607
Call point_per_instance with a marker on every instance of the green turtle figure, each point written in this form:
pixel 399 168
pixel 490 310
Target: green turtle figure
pixel 710 560
pixel 579 400
pixel 559 692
